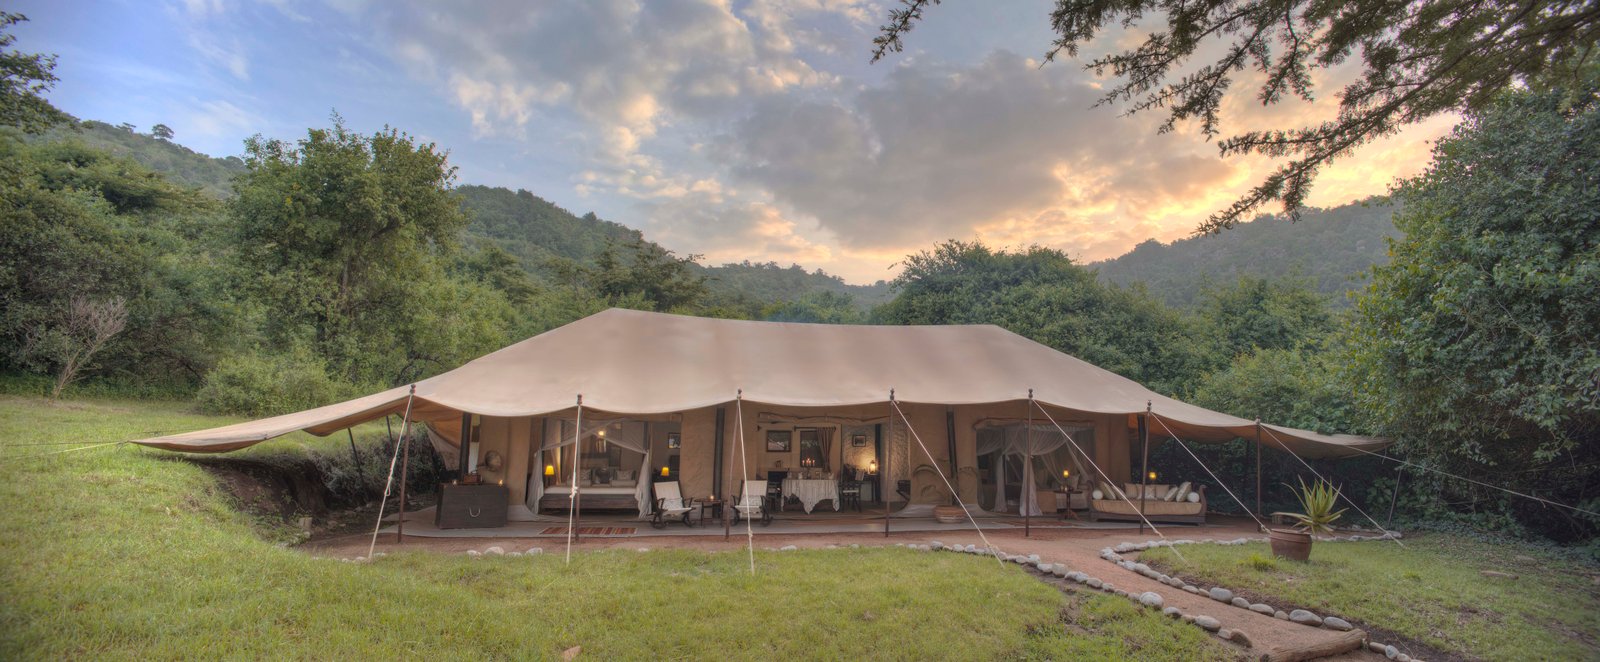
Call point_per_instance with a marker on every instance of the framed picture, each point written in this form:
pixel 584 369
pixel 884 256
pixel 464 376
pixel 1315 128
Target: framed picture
pixel 674 440
pixel 858 440
pixel 780 441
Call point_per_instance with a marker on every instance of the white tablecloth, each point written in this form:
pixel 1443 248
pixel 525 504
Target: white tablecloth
pixel 809 492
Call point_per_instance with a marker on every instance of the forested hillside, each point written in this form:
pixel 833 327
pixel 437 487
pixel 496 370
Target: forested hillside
pixel 539 233
pixel 179 164
pixel 1331 248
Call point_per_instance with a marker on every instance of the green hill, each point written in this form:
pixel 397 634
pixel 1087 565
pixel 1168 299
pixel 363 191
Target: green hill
pixel 1332 248
pixel 178 163
pixel 533 229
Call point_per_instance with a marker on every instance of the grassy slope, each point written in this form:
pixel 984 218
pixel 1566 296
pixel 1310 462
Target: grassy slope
pixel 1430 590
pixel 125 553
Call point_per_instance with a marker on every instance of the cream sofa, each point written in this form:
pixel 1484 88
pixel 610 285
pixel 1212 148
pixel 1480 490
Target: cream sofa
pixel 1113 507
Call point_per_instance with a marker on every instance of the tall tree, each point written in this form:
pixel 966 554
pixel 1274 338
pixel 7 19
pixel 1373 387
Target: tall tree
pixel 1477 341
pixel 337 232
pixel 1258 313
pixel 1421 58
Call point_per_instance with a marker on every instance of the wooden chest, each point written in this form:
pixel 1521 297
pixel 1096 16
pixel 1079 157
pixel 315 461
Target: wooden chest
pixel 471 506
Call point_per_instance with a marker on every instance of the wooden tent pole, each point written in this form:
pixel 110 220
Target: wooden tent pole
pixel 722 471
pixel 360 473
pixel 405 467
pixel 887 476
pixel 1144 466
pixel 577 461
pixel 1027 457
pixel 1259 514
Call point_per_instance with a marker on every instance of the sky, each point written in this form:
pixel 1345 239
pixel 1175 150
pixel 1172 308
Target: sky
pixel 753 130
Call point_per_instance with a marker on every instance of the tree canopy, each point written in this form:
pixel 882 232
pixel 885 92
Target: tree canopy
pixel 1477 341
pixel 1420 58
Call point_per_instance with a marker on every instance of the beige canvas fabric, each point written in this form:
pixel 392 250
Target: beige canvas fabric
pixel 626 362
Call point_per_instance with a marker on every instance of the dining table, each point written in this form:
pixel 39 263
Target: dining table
pixel 810 491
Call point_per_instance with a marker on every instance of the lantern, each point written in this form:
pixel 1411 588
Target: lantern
pixel 1152 475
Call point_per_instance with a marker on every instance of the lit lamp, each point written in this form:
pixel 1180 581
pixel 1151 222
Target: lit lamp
pixel 549 475
pixel 872 468
pixel 1152 476
pixel 663 472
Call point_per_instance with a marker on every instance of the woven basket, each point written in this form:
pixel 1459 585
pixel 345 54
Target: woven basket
pixel 949 514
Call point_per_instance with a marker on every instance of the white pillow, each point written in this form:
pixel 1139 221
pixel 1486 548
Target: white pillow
pixel 1194 497
pixel 1171 494
pixel 1098 495
pixel 1183 491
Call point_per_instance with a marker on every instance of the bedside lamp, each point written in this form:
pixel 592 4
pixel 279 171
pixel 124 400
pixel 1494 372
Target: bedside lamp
pixel 663 472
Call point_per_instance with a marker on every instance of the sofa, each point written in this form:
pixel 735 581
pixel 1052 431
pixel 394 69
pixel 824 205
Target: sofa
pixel 1161 503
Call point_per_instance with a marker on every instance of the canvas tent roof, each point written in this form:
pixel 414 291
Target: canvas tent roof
pixel 632 362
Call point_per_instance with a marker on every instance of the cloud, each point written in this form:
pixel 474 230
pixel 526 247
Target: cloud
pixel 740 132
pixel 626 68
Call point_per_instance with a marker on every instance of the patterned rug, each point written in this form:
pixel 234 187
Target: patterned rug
pixel 592 531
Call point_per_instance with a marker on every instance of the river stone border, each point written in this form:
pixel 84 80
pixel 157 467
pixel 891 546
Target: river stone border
pixel 1225 596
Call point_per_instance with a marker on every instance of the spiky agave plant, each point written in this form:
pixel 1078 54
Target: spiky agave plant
pixel 1317 503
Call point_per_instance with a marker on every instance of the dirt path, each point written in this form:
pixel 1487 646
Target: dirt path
pixel 1079 549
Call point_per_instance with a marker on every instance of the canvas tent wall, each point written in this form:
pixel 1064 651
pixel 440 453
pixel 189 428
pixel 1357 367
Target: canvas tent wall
pixel 632 364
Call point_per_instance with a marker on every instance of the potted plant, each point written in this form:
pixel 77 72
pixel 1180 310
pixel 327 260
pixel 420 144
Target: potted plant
pixel 1317 503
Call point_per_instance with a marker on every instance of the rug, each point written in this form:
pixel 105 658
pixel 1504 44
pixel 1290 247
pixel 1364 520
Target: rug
pixel 592 531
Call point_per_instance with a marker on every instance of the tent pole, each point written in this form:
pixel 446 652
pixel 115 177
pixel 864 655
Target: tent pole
pixel 572 495
pixel 1397 473
pixel 1144 466
pixel 360 473
pixel 405 467
pixel 464 450
pixel 888 449
pixel 722 483
pixel 1258 469
pixel 1027 490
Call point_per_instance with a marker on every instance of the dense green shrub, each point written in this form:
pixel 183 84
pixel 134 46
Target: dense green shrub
pixel 262 385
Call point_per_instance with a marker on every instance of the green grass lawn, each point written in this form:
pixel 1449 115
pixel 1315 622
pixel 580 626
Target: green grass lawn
pixel 123 553
pixel 1431 591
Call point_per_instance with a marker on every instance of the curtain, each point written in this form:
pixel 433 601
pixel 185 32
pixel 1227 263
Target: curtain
pixel 825 447
pixel 626 434
pixel 1016 440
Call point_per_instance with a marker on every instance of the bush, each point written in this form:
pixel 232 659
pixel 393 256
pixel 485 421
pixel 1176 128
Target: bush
pixel 264 385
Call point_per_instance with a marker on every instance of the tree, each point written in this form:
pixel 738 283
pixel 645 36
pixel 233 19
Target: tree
pixel 1257 313
pixel 1477 343
pixel 24 79
pixel 1421 58
pixel 649 272
pixel 161 131
pixel 817 306
pixel 1039 293
pixel 338 233
pixel 73 343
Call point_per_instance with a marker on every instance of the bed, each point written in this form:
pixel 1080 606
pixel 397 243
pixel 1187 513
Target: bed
pixel 617 493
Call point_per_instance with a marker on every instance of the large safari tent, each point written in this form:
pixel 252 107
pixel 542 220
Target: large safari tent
pixel 644 397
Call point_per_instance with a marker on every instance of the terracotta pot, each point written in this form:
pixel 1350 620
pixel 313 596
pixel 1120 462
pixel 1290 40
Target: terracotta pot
pixel 1290 544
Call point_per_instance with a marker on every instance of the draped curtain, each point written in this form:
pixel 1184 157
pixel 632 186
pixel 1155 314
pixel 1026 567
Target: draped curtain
pixel 630 435
pixel 825 447
pixel 1015 440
